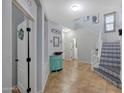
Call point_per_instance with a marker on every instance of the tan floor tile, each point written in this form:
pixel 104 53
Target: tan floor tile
pixel 77 77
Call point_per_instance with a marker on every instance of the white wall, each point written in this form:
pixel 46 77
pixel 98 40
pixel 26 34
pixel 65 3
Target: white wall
pixel 45 62
pixel 39 48
pixel 113 36
pixel 6 47
pixel 53 25
pixel 87 35
pixel 33 49
pixel 42 48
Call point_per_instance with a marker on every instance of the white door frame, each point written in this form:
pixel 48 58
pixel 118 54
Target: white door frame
pixel 75 48
pixel 30 17
pixel 23 10
pixel 7 41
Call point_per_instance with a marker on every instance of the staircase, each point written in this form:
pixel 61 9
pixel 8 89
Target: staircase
pixel 110 62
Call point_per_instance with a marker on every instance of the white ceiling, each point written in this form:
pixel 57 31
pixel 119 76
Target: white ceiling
pixel 60 11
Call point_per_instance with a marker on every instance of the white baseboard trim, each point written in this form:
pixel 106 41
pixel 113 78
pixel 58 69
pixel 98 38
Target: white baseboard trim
pixel 83 61
pixel 43 88
pixel 40 91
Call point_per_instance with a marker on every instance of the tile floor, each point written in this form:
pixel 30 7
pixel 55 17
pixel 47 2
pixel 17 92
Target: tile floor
pixel 77 77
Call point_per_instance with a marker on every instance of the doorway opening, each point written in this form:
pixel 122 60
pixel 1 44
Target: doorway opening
pixel 21 51
pixel 69 45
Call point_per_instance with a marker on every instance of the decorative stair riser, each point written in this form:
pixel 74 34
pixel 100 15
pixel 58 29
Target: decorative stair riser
pixel 110 48
pixel 108 79
pixel 111 45
pixel 111 42
pixel 113 55
pixel 110 64
pixel 110 56
pixel 111 51
pixel 110 72
pixel 109 67
pixel 112 60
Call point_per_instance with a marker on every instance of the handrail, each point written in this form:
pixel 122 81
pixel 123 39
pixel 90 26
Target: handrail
pixel 95 54
pixel 94 59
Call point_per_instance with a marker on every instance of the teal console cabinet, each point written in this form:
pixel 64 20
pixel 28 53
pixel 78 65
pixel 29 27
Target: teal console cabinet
pixel 56 62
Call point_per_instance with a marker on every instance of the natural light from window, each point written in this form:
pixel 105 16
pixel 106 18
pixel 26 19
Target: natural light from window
pixel 110 22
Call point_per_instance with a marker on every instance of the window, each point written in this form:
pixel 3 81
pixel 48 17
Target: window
pixel 109 22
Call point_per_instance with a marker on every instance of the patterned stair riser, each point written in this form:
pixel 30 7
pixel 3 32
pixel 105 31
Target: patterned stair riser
pixel 110 59
pixel 111 45
pixel 111 55
pixel 111 51
pixel 117 42
pixel 110 64
pixel 110 72
pixel 110 80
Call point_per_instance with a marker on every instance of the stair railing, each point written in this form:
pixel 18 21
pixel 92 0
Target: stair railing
pixel 96 53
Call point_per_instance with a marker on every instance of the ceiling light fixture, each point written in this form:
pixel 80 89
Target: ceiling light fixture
pixel 75 7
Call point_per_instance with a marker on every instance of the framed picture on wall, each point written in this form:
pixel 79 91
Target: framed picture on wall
pixel 95 19
pixel 55 41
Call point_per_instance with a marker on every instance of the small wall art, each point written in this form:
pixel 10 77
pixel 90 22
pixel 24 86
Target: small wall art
pixel 95 19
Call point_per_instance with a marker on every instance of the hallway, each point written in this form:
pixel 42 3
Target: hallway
pixel 77 77
pixel 62 46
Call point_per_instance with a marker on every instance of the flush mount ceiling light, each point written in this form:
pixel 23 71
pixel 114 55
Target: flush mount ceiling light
pixel 75 7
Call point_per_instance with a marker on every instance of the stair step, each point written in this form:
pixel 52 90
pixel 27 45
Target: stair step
pixel 111 45
pixel 110 52
pixel 108 77
pixel 110 48
pixel 110 64
pixel 111 56
pixel 117 42
pixel 112 60
pixel 115 71
pixel 103 54
pixel 112 68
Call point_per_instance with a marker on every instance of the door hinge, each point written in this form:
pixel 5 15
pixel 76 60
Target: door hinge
pixel 16 59
pixel 28 90
pixel 28 29
pixel 29 59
